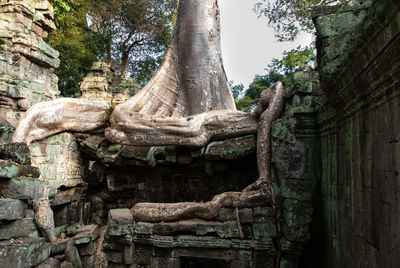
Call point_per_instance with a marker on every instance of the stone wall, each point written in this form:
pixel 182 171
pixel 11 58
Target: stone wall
pixel 27 62
pixel 359 64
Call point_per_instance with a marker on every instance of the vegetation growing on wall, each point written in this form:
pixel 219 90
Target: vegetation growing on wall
pixel 279 70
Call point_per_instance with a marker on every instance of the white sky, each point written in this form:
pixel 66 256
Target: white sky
pixel 248 45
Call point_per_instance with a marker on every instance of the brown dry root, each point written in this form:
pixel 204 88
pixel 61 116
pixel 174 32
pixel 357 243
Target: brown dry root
pixel 259 193
pixel 100 258
pixel 67 114
pixel 44 217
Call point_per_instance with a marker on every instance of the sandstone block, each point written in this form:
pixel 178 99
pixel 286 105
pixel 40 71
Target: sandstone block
pixel 50 263
pixel 18 253
pixel 22 188
pixel 231 148
pixel 19 228
pixel 17 152
pixel 72 255
pixel 86 233
pixel 63 197
pixel 10 170
pixel 12 209
pixel 120 217
pixel 229 214
pixel 40 255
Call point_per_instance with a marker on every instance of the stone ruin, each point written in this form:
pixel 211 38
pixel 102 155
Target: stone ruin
pixel 27 62
pixel 92 183
pixel 102 84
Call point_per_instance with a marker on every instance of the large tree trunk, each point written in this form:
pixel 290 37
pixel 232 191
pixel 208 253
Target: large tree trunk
pixel 191 79
pixel 190 88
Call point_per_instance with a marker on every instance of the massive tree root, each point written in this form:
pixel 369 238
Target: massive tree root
pixel 187 102
pixel 195 131
pixel 48 118
pixel 259 193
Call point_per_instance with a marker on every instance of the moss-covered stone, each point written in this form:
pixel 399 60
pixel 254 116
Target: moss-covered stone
pixel 231 148
pixel 21 188
pixel 17 152
pixel 12 209
pixel 18 253
pixel 18 229
pixel 10 170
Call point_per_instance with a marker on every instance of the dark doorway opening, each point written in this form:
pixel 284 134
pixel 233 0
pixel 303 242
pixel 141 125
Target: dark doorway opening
pixel 190 262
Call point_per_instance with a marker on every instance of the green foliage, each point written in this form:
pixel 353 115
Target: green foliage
pixel 294 60
pixel 289 17
pixel 79 47
pixel 139 29
pixel 279 70
pixel 252 94
pixel 143 70
pixel 60 8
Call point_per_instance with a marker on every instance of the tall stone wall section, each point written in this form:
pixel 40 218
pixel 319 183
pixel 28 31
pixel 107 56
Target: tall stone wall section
pixel 359 64
pixel 27 62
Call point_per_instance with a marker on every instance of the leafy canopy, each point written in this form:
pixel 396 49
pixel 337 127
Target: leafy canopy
pixel 138 29
pixel 79 47
pixel 130 34
pixel 289 17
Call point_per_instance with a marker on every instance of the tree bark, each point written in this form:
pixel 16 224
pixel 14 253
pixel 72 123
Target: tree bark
pixel 191 80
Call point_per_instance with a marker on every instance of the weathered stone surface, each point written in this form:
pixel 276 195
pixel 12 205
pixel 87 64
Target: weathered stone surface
pixel 10 170
pixel 16 152
pixel 59 161
pixel 87 249
pixel 231 148
pixel 359 123
pixel 26 62
pixel 88 261
pixel 50 263
pixel 120 217
pixel 66 264
pixel 86 233
pixel 40 254
pixel 18 253
pixel 229 214
pixel 6 131
pixel 19 228
pixel 21 188
pixel 12 209
pixel 72 254
pixel 66 196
